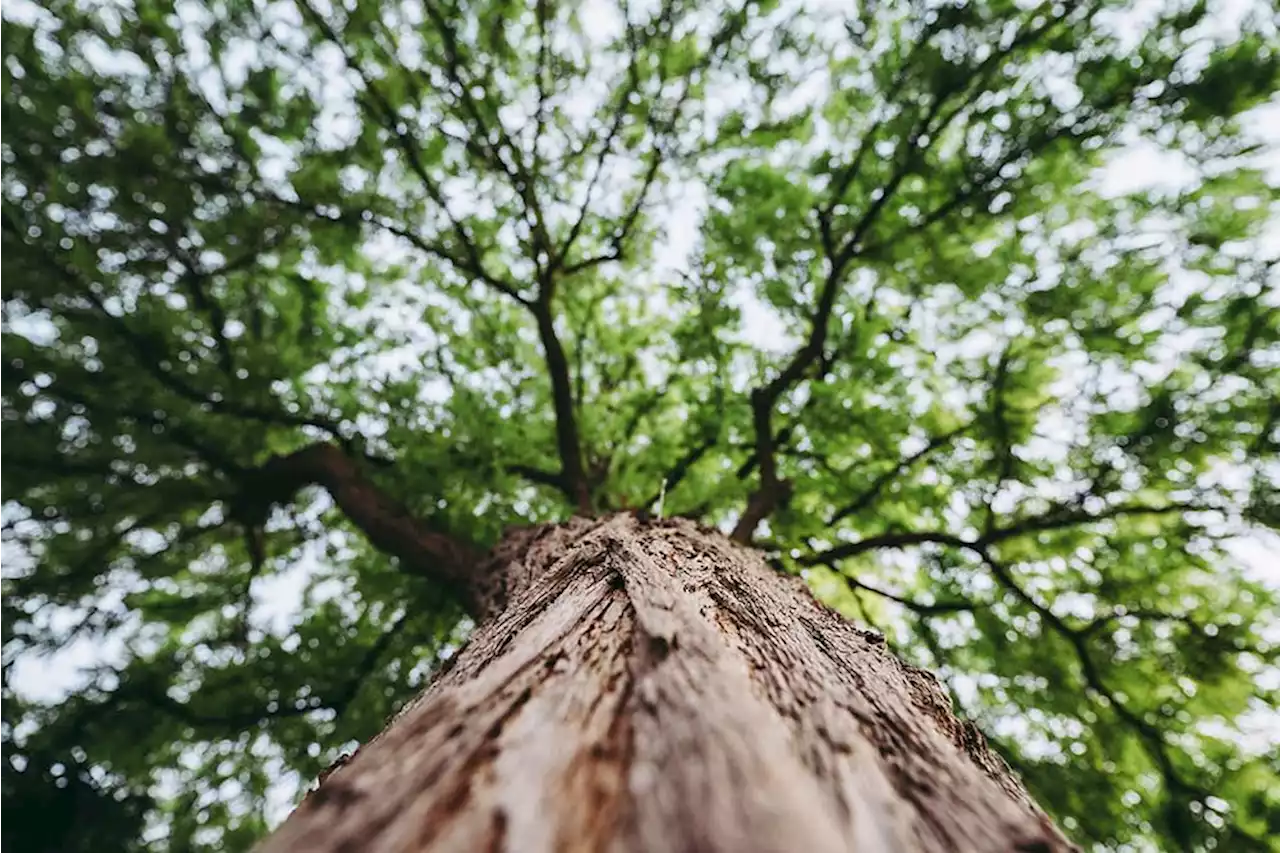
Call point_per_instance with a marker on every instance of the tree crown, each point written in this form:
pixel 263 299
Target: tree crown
pixel 870 285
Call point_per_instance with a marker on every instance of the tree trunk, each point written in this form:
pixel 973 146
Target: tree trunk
pixel 653 686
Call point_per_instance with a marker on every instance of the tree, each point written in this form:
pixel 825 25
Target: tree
pixel 336 335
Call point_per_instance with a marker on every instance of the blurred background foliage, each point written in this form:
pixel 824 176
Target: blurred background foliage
pixel 976 303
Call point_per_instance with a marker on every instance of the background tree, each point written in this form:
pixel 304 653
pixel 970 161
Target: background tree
pixel 861 283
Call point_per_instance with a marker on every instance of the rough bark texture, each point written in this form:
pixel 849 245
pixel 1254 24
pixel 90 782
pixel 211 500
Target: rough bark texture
pixel 653 686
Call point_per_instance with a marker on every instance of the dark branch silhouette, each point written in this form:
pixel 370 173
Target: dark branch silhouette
pixel 387 525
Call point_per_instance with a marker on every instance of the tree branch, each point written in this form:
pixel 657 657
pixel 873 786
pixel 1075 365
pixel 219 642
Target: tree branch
pixel 933 609
pixel 1060 519
pixel 538 475
pixel 518 175
pixel 909 155
pixel 1152 738
pixel 866 498
pixel 615 126
pixel 903 539
pixel 662 131
pixel 150 353
pixel 1034 524
pixel 568 442
pixel 412 152
pixel 681 469
pixel 385 523
pixel 1003 447
pixel 469 264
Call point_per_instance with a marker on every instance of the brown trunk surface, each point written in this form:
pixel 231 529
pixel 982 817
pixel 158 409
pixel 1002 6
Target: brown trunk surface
pixel 653 686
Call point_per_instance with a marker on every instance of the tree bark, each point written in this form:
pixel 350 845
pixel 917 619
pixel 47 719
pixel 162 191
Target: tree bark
pixel 654 686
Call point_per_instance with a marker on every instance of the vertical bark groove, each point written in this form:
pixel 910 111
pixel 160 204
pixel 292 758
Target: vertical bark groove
pixel 656 687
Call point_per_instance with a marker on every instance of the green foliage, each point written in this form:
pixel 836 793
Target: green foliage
pixel 1024 406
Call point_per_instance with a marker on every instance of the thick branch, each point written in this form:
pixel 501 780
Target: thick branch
pixel 388 526
pixel 572 474
pixel 901 539
pixel 537 475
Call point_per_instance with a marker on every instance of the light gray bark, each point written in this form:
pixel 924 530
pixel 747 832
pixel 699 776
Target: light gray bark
pixel 653 686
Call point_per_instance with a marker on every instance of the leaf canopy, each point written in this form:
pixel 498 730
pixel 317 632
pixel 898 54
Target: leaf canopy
pixel 880 286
